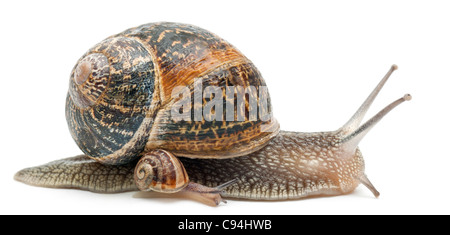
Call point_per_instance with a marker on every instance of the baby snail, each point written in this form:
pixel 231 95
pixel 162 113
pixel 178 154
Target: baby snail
pixel 171 107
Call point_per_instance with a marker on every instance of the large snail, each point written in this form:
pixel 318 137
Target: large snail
pixel 169 107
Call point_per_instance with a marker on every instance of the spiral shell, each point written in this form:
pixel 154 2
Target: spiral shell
pixel 160 171
pixel 120 96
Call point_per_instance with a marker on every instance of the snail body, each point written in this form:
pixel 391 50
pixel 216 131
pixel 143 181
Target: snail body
pixel 119 107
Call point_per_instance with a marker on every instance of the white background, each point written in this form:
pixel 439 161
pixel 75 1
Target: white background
pixel 320 60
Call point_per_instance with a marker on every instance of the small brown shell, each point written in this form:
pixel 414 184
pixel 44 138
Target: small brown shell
pixel 160 171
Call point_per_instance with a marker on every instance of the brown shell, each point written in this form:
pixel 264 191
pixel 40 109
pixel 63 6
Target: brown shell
pixel 146 64
pixel 160 171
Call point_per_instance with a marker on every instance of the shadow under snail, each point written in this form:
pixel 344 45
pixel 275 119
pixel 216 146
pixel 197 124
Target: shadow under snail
pixel 120 108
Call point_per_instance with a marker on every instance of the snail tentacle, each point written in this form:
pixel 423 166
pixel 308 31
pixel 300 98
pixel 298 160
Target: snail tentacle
pixel 207 194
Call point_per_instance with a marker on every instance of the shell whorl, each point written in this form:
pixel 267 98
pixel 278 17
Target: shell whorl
pixel 113 125
pixel 90 79
pixel 121 109
pixel 160 171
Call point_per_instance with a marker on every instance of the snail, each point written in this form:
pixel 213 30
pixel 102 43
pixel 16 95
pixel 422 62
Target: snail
pixel 137 109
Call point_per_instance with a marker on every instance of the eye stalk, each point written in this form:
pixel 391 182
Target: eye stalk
pixel 89 80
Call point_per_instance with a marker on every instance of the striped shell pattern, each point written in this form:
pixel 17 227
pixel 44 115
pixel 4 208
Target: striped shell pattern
pixel 159 171
pixel 120 95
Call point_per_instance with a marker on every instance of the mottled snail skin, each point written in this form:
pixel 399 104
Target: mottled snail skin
pixel 80 172
pixel 293 165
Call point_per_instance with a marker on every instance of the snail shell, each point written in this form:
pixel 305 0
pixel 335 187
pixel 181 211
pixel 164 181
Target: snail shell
pixel 160 171
pixel 120 96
